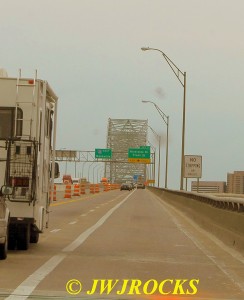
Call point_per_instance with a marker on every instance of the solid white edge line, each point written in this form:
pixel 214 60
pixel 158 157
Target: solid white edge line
pixel 30 283
pixel 24 290
pixel 231 275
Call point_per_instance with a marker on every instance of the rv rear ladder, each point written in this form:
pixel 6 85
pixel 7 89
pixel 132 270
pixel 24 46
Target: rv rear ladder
pixel 20 104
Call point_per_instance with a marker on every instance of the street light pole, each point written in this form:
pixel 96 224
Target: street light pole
pixel 166 121
pixel 152 166
pixel 89 170
pixel 93 173
pixel 100 167
pixel 159 143
pixel 177 73
pixel 83 165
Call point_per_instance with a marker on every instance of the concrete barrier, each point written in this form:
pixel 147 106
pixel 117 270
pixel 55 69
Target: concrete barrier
pixel 223 217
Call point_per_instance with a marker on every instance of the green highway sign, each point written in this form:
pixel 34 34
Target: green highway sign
pixel 139 155
pixel 139 152
pixel 103 153
pixel 145 147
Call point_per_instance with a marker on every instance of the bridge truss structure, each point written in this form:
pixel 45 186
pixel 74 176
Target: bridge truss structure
pixel 123 134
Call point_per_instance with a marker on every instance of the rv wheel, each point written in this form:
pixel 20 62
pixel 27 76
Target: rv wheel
pixel 4 249
pixel 23 237
pixel 34 236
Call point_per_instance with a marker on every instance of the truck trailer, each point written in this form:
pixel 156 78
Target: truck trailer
pixel 28 118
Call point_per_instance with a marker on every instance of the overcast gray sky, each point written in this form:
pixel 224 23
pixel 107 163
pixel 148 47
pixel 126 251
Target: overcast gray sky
pixel 89 52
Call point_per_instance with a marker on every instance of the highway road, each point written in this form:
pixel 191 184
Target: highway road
pixel 122 245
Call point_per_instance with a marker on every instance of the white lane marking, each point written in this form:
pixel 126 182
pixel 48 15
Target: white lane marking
pixel 23 291
pixel 76 243
pixel 72 223
pixel 55 230
pixel 30 283
pixel 231 275
pixel 84 215
pixel 91 210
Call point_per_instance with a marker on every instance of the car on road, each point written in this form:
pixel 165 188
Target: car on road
pixel 140 185
pixel 126 186
pixel 75 180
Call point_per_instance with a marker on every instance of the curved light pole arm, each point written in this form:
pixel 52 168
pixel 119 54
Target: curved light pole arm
pixel 177 73
pixel 172 65
pixel 162 114
pixel 166 121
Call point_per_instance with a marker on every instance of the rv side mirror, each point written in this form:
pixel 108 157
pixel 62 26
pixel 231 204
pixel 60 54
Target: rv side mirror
pixel 56 170
pixel 6 190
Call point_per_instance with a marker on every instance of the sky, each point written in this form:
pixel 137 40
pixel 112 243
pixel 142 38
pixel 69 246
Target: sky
pixel 90 53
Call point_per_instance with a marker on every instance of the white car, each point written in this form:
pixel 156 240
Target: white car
pixel 75 180
pixel 140 185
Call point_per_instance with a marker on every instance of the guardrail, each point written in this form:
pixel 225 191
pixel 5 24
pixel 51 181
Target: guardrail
pixel 222 216
pixel 224 202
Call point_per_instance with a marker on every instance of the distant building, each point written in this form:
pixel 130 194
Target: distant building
pixel 235 182
pixel 209 186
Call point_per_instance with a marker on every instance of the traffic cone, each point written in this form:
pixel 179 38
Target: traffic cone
pixel 105 187
pixel 96 188
pixel 82 189
pixel 67 193
pixel 53 193
pixel 92 188
pixel 76 190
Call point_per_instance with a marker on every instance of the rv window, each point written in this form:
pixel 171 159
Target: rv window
pixel 47 127
pixel 7 122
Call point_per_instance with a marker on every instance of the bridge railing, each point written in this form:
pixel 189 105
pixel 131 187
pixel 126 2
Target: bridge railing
pixel 221 216
pixel 224 201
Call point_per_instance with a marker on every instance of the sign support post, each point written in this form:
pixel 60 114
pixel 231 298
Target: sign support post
pixel 193 168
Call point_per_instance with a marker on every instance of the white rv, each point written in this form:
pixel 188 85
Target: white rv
pixel 28 114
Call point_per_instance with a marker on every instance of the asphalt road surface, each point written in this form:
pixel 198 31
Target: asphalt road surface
pixel 122 245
